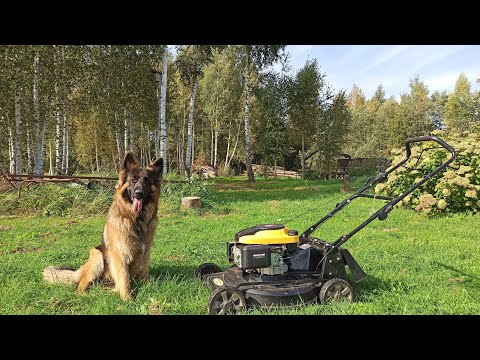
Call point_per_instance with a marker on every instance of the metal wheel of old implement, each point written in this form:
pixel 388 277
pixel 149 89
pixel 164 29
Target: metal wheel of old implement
pixel 206 269
pixel 226 300
pixel 335 290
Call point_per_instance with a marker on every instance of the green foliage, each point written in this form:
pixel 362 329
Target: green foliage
pixel 453 191
pixel 58 200
pixel 459 109
pixel 272 95
pixel 331 128
pixel 305 102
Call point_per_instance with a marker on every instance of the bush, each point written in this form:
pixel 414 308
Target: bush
pixel 451 191
pixel 58 199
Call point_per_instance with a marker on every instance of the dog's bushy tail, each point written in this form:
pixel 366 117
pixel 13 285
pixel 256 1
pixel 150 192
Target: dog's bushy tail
pixel 60 274
pixel 84 277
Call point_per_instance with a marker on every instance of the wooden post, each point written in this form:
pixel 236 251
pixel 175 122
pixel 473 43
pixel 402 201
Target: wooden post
pixel 346 184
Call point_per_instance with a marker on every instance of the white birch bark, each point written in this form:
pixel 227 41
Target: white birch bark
pixel 65 119
pixel 36 111
pixel 50 170
pixel 248 159
pixel 11 151
pixel 126 143
pixel 17 153
pixel 43 156
pixel 189 155
pixel 163 124
pixel 118 139
pixel 159 122
pixel 30 155
pixel 59 122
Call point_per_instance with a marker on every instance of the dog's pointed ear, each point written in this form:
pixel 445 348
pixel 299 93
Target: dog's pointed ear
pixel 127 165
pixel 128 161
pixel 157 166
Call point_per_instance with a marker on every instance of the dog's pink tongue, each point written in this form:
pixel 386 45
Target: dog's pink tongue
pixel 137 205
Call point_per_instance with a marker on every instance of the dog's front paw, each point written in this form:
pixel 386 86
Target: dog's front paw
pixel 126 296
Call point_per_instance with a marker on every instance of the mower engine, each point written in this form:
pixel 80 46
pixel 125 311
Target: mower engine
pixel 263 249
pixel 264 259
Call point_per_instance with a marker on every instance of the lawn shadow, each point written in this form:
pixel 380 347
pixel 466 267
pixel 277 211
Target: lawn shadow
pixel 369 286
pixel 162 272
pixel 451 268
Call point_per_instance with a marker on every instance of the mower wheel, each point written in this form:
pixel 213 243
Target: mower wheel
pixel 206 269
pixel 226 301
pixel 334 290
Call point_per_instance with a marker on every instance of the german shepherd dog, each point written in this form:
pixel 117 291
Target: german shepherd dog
pixel 124 253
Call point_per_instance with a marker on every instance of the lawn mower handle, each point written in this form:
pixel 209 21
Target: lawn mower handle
pixel 428 138
pixel 382 213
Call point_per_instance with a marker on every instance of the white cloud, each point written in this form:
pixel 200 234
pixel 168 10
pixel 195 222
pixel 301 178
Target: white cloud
pixel 385 57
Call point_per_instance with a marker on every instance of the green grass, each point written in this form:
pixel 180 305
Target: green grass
pixel 415 264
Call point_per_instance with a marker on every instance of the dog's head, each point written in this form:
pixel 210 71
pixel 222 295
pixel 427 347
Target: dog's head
pixel 139 185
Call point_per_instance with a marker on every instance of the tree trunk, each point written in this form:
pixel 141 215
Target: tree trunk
pixel 18 126
pixel 159 122
pixel 65 119
pixel 193 141
pixel 225 166
pixel 303 157
pixel 163 123
pixel 11 151
pixel 126 143
pixel 59 135
pixel 97 163
pixel 149 154
pixel 38 169
pixel 212 137
pixel 216 145
pixel 248 158
pixel 30 155
pixel 235 146
pixel 118 138
pixel 50 169
pixel 45 140
pixel 131 132
pixel 189 155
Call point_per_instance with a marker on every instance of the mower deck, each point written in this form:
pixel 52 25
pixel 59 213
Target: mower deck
pixel 266 291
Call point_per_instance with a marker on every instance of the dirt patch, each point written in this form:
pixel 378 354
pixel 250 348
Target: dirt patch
pixel 274 205
pixel 22 250
pixel 59 303
pixel 162 215
pixel 242 187
pixel 155 307
pixel 456 280
pixel 390 229
pixel 4 227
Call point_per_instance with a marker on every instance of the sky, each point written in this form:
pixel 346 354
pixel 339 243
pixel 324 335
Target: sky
pixel 438 66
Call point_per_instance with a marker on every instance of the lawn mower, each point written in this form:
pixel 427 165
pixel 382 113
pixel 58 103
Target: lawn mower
pixel 272 265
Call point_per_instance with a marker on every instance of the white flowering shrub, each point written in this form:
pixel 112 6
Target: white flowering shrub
pixel 456 189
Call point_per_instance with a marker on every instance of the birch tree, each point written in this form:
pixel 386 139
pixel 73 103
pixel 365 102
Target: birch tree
pixel 17 153
pixel 255 58
pixel 163 124
pixel 59 118
pixel 191 60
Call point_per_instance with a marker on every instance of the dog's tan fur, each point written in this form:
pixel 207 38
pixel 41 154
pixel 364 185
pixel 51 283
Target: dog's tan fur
pixel 127 237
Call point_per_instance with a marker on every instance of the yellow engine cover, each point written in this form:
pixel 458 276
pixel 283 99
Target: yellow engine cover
pixel 269 237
